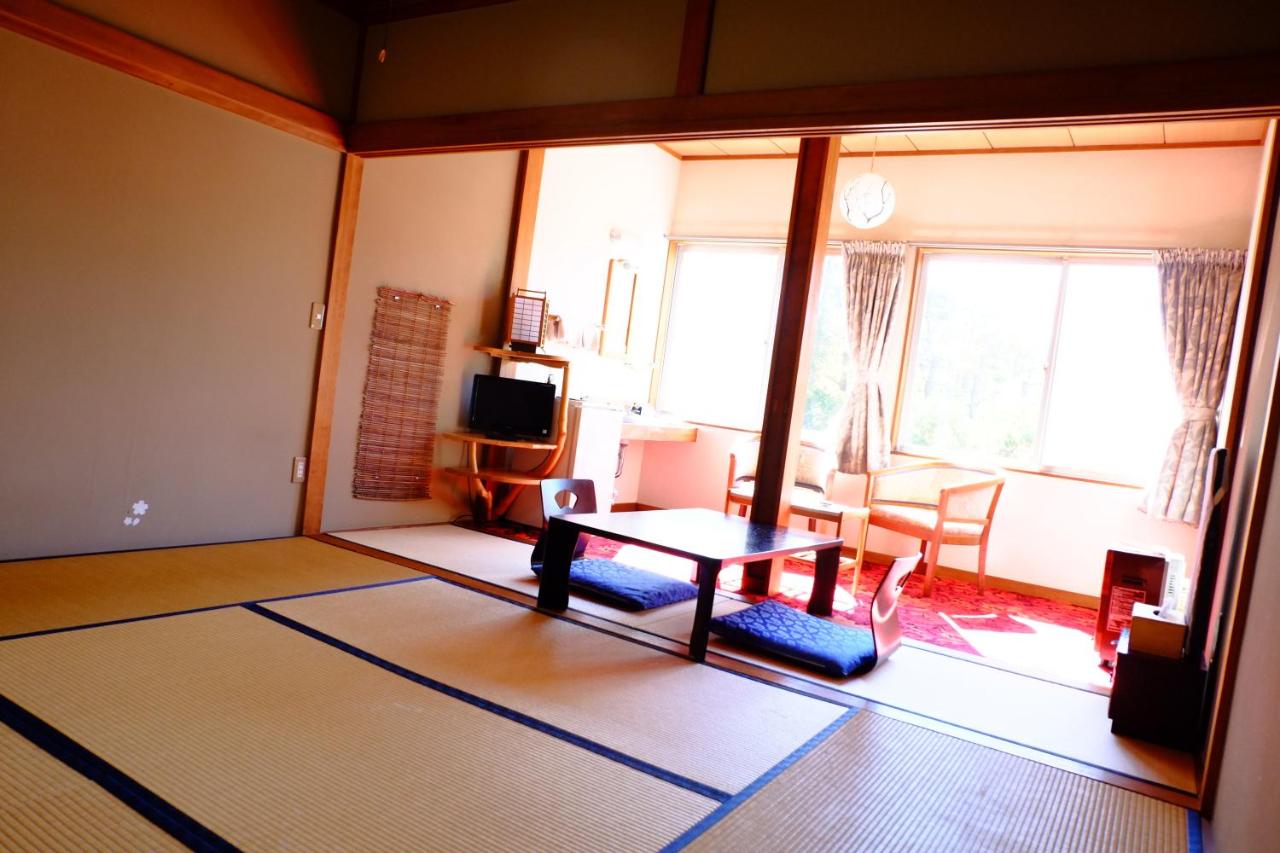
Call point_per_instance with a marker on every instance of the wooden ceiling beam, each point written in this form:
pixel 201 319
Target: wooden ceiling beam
pixel 102 43
pixel 1218 88
pixel 695 47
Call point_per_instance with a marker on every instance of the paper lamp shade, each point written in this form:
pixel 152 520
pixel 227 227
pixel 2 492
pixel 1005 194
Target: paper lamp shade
pixel 867 200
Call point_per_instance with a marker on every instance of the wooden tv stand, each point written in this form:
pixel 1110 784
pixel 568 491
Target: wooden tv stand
pixel 483 478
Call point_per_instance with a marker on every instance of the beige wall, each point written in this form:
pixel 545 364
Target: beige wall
pixel 526 54
pixel 763 44
pixel 1193 197
pixel 302 49
pixel 1174 197
pixel 438 225
pixel 157 262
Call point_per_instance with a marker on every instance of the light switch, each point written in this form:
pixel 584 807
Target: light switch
pixel 299 469
pixel 317 315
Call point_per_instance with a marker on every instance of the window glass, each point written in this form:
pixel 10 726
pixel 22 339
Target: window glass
pixel 720 334
pixel 979 358
pixel 1113 404
pixel 829 370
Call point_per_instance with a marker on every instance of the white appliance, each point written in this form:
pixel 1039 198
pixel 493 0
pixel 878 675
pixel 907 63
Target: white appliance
pixel 593 437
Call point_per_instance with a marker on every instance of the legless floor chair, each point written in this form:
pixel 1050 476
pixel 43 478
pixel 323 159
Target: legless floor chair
pixel 614 583
pixel 836 650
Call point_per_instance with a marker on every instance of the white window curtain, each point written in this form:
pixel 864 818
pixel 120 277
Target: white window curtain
pixel 873 275
pixel 1199 293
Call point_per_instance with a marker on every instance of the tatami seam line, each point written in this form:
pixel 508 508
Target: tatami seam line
pixel 492 707
pixel 768 776
pixel 114 781
pixel 211 607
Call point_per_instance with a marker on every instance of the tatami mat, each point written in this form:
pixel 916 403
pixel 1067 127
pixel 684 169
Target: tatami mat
pixel 45 805
pixel 1029 712
pixel 39 595
pixel 274 740
pixel 703 723
pixel 879 784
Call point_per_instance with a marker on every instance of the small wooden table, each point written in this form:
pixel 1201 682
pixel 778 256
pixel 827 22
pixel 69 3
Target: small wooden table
pixel 710 538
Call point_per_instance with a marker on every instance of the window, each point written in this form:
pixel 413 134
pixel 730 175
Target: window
pixel 719 344
pixel 1052 364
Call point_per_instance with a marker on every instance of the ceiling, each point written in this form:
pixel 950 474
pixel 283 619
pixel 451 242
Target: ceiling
pixel 1173 134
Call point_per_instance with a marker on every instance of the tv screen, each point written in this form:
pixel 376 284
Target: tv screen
pixel 512 408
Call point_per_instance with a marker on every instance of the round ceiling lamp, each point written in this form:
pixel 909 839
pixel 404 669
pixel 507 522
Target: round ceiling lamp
pixel 868 200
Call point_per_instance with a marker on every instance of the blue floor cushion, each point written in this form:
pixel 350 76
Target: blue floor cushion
pixel 627 587
pixel 784 631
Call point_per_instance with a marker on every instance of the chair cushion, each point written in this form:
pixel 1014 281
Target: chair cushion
pixel 626 587
pixel 918 521
pixel 771 627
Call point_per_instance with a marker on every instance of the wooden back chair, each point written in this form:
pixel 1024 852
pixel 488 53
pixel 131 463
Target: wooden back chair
pixel 939 503
pixel 886 631
pixel 578 496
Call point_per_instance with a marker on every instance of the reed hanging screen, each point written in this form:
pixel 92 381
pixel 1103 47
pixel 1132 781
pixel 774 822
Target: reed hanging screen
pixel 397 437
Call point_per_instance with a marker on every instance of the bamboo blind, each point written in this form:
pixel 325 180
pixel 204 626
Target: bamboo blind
pixel 396 442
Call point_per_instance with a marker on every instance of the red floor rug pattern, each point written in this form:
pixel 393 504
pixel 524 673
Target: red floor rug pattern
pixel 1030 633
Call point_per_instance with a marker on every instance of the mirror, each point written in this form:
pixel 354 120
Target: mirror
pixel 619 303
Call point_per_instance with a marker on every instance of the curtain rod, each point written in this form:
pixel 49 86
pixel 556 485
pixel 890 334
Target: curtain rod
pixel 925 244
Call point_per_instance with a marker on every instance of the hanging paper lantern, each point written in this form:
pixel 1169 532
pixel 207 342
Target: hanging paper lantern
pixel 867 200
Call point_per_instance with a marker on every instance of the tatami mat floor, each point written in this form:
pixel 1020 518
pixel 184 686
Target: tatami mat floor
pixel 1024 711
pixel 411 712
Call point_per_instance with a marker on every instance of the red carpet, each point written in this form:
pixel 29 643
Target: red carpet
pixel 1030 633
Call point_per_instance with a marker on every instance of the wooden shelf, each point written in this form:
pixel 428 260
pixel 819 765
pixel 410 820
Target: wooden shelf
pixel 530 357
pixel 481 438
pixel 497 475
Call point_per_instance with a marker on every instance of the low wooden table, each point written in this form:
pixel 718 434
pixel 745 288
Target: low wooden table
pixel 710 538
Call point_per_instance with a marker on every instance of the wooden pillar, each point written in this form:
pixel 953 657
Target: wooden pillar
pixel 792 345
pixel 344 234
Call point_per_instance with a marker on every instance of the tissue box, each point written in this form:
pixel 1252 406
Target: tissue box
pixel 1157 631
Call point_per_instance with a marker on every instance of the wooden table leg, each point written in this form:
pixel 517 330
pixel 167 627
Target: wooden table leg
pixel 553 585
pixel 826 567
pixel 708 571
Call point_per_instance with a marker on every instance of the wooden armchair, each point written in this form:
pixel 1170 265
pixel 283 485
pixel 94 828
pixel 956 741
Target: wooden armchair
pixel 939 503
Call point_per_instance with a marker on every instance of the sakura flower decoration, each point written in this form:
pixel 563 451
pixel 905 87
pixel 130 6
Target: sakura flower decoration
pixel 141 507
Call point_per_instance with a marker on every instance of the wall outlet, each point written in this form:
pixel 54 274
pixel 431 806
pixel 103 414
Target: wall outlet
pixel 317 315
pixel 299 469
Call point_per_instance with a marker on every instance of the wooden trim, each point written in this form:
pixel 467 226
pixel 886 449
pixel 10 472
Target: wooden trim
pixel 524 217
pixel 664 320
pixel 806 253
pixel 1265 234
pixel 84 37
pixel 695 47
pixel 942 152
pixel 385 13
pixel 664 147
pixel 1213 88
pixel 344 233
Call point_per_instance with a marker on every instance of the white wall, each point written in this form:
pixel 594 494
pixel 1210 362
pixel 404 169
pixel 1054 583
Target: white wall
pixel 586 194
pixel 1048 531
pixel 436 224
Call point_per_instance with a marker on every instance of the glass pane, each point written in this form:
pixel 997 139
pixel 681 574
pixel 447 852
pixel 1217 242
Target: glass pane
pixel 829 370
pixel 1113 405
pixel 978 362
pixel 720 336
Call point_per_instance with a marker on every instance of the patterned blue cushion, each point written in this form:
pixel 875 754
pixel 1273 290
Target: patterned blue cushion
pixel 772 627
pixel 626 587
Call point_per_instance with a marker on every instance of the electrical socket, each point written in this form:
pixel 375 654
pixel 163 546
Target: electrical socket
pixel 299 469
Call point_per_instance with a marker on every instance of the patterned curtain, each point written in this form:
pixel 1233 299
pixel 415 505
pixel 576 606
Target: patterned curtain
pixel 873 273
pixel 1199 289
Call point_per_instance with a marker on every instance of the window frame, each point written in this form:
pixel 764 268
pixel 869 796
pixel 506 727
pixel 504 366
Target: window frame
pixel 1065 256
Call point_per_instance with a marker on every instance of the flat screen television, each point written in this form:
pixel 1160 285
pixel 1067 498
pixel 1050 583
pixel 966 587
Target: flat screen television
pixel 512 408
